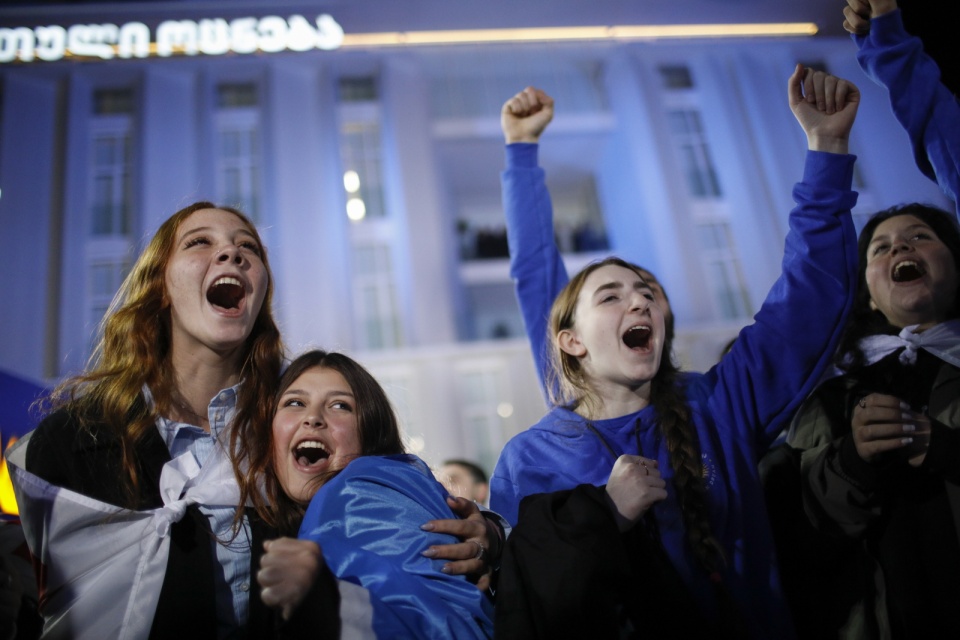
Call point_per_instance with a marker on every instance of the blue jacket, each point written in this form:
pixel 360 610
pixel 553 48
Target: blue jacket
pixel 367 522
pixel 922 104
pixel 738 406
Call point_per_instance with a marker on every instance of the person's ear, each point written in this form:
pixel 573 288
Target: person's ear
pixel 873 305
pixel 480 491
pixel 570 343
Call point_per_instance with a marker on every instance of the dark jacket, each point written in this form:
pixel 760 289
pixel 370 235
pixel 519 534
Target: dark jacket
pixel 88 461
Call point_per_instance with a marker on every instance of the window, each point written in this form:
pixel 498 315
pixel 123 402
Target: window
pixel 400 385
pixel 360 153
pixel 480 394
pixel 375 298
pixel 675 76
pixel 358 89
pixel 109 102
pixel 109 245
pixel 706 207
pixel 694 153
pixel 234 96
pixel 110 161
pixel 723 269
pixel 110 178
pixel 105 275
pixel 238 149
pixel 470 83
pixel 372 231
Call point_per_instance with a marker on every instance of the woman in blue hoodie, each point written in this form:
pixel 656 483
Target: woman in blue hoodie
pixel 677 453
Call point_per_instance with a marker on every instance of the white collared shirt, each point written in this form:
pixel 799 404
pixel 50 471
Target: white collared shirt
pixel 232 577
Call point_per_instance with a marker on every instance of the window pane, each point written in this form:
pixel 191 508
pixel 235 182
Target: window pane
pixel 113 102
pixel 231 96
pixel 104 152
pixel 359 89
pixel 676 76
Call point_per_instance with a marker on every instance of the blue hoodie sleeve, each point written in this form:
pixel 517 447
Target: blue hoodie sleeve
pixel 922 104
pixel 536 266
pixel 776 361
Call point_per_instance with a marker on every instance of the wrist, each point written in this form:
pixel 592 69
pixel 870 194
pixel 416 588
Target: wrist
pixel 514 138
pixel 879 8
pixel 496 536
pixel 623 523
pixel 828 144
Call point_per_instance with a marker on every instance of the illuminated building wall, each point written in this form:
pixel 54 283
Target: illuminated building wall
pixel 373 172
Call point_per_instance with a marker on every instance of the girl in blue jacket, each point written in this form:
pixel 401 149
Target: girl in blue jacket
pixel 336 458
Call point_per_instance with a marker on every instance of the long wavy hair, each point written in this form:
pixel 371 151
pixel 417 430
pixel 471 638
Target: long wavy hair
pixel 865 321
pixel 571 387
pixel 133 351
pixel 377 425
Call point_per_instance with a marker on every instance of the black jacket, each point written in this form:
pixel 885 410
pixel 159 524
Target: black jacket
pixel 88 461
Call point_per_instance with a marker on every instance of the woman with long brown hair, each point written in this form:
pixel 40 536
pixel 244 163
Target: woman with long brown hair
pixel 152 432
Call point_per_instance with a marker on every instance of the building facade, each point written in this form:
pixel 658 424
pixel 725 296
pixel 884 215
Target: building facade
pixel 373 174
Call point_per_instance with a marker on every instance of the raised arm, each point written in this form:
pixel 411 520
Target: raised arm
pixel 777 360
pixel 825 106
pixel 535 263
pixel 926 108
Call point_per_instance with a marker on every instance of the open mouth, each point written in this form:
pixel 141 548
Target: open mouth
pixel 907 271
pixel 637 337
pixel 310 452
pixel 226 292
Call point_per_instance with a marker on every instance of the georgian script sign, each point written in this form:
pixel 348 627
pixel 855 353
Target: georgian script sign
pixel 215 36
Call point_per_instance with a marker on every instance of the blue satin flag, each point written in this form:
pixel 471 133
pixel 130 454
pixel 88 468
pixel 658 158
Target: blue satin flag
pixel 367 522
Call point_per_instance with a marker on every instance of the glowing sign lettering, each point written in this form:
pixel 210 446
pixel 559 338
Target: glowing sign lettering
pixel 212 37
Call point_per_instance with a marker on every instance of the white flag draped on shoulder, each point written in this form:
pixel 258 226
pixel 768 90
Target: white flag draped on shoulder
pixel 102 565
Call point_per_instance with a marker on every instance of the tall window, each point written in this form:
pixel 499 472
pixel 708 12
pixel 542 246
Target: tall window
pixel 400 385
pixel 375 297
pixel 723 268
pixel 708 209
pixel 109 244
pixel 371 230
pixel 481 410
pixel 105 275
pixel 694 153
pixel 238 148
pixel 361 148
pixel 110 162
pixel 362 169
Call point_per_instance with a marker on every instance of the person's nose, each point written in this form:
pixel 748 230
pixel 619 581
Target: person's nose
pixel 639 302
pixel 901 246
pixel 314 421
pixel 230 253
